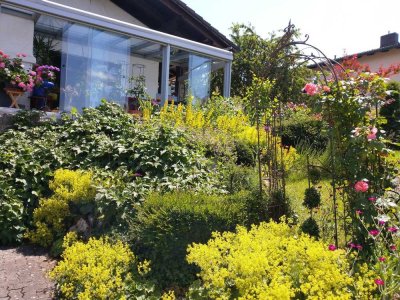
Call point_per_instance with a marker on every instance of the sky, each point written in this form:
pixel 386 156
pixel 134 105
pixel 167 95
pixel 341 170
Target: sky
pixel 336 27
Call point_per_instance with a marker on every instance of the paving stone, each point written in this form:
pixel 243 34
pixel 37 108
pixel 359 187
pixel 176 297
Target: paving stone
pixel 23 274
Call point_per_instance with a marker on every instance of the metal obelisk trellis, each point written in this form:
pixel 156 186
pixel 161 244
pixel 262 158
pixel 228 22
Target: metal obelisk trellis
pixel 273 125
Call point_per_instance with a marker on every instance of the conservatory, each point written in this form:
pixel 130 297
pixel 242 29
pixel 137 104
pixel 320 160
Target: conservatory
pixel 102 52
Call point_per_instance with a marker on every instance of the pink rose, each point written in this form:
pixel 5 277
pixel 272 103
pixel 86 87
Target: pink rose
pixel 310 89
pixel 22 85
pixel 361 186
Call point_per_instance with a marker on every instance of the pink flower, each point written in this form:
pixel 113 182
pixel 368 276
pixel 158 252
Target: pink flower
pixel 381 222
pixel 359 212
pixel 393 247
pixel 371 136
pixel 310 89
pixel 326 88
pixel 361 186
pixel 374 232
pixel 381 258
pixel 372 199
pixel 32 73
pixel 393 229
pixel 332 247
pixel 2 65
pixel 379 281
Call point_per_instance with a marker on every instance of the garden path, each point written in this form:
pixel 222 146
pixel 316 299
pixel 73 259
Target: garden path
pixel 23 274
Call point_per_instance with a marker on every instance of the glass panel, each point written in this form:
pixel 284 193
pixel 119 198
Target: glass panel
pixel 199 77
pixel 94 67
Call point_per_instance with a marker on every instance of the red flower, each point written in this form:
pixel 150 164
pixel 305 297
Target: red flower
pixel 392 247
pixel 372 199
pixel 361 186
pixel 374 232
pixel 310 89
pixel 332 247
pixel 379 281
pixel 381 258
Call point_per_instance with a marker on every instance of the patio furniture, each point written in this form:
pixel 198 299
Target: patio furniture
pixel 14 94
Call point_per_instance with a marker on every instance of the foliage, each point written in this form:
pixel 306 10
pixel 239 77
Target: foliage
pixel 11 214
pixel 148 156
pixel 167 224
pixel 384 236
pixel 302 128
pixel 310 227
pixel 391 111
pixel 312 198
pixel 70 189
pixel 269 261
pixel 98 269
pixel 279 206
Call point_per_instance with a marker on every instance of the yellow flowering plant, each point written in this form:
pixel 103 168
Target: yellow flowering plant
pixel 270 261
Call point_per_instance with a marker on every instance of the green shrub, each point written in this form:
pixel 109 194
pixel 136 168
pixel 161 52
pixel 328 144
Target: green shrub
pixel 391 111
pixel 312 198
pixel 310 227
pixel 167 224
pixel 305 132
pixel 270 261
pixel 11 214
pixel 246 154
pixel 108 140
pixel 278 206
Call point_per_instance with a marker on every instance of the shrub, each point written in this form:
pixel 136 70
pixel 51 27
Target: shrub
pixel 305 132
pixel 312 198
pixel 270 261
pixel 11 214
pixel 98 269
pixel 73 191
pixel 278 206
pixel 310 227
pixel 167 224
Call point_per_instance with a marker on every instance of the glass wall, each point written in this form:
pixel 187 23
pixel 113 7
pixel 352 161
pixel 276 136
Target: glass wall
pixel 98 64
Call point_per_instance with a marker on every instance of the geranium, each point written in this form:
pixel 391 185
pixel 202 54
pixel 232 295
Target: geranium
pixel 361 186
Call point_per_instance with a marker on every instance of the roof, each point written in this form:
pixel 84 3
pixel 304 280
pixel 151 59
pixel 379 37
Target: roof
pixel 176 18
pixel 360 54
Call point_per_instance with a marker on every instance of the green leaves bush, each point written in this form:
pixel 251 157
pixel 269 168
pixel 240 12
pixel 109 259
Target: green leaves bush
pixel 151 156
pixel 167 224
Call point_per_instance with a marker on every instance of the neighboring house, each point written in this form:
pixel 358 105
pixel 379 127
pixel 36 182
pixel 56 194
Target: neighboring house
pixel 100 44
pixel 383 57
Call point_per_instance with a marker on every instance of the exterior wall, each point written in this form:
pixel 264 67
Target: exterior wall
pixel 20 42
pixel 102 7
pixel 382 59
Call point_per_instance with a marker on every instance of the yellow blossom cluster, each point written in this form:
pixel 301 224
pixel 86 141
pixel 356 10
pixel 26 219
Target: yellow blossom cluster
pixel 93 270
pixel 271 261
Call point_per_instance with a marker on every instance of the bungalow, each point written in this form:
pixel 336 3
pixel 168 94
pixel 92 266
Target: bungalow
pixel 105 48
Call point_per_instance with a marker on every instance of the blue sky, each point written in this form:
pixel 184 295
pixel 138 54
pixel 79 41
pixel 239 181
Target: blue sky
pixel 334 26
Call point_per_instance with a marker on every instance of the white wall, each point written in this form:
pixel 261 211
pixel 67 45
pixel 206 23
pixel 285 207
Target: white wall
pixel 150 71
pixel 102 7
pixel 16 36
pixel 382 59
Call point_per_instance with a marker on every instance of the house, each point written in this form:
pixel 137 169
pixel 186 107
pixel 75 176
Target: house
pixel 103 48
pixel 388 54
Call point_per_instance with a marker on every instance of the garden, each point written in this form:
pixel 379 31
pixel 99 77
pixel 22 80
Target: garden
pixel 287 190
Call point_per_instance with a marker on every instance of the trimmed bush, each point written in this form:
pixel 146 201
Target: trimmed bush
pixel 167 224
